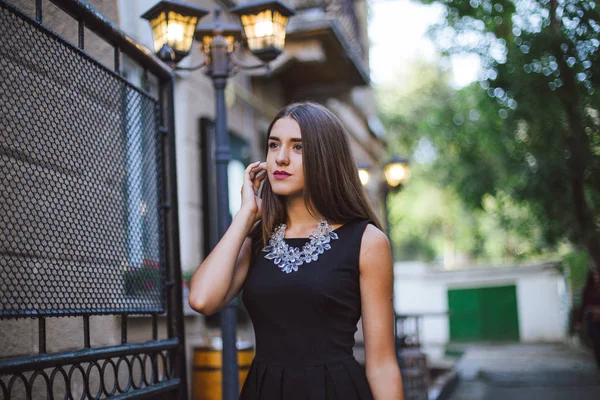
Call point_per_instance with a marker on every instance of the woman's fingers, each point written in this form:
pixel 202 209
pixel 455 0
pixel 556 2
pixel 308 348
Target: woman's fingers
pixel 249 170
pixel 256 171
pixel 260 176
pixel 252 165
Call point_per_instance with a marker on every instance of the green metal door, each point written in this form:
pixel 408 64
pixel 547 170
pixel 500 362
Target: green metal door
pixel 483 314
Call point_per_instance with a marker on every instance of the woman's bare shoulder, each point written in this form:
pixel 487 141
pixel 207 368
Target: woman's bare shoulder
pixel 373 236
pixel 374 248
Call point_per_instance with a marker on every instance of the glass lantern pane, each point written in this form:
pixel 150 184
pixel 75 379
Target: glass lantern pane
pixel 279 23
pixel 159 30
pixel 230 42
pixel 263 24
pixel 248 21
pixel 181 31
pixel 206 40
pixel 265 29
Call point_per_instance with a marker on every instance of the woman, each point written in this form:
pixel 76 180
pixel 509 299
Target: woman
pixel 310 258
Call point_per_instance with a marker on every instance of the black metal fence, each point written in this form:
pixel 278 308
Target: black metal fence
pixel 88 217
pixel 412 361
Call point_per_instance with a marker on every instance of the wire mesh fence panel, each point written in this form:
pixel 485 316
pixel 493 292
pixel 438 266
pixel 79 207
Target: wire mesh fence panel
pixel 81 182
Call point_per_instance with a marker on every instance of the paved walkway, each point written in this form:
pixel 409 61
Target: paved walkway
pixel 531 372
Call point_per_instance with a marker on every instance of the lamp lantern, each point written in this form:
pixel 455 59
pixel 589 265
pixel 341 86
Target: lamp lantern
pixel 205 33
pixel 364 174
pixel 173 25
pixel 397 172
pixel 264 25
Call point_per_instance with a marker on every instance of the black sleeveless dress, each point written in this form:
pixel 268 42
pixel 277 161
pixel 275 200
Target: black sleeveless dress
pixel 304 324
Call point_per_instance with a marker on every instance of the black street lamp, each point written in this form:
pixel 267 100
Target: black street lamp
pixel 397 173
pixel 264 24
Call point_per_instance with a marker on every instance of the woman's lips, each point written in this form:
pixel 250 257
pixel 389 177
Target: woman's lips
pixel 281 175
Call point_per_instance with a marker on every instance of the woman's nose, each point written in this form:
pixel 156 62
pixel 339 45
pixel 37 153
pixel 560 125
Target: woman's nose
pixel 282 157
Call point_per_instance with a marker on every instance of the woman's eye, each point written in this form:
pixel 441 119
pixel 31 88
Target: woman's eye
pixel 298 147
pixel 272 145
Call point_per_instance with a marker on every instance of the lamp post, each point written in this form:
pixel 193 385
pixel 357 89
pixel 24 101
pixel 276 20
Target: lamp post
pixel 397 173
pixel 264 24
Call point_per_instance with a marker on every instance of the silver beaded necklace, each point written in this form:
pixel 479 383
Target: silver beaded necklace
pixel 289 258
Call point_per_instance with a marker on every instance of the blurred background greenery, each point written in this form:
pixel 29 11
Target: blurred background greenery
pixel 504 170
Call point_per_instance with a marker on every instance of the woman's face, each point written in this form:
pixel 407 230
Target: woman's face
pixel 284 158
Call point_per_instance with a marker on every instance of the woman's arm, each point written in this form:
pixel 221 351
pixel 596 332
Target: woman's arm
pixel 376 288
pixel 221 275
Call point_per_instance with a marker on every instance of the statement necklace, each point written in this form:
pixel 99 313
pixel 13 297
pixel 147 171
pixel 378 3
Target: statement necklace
pixel 289 258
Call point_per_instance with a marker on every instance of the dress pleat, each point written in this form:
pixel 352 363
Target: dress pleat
pixel 357 373
pixel 294 384
pixel 262 368
pixel 315 382
pixel 271 387
pixel 342 382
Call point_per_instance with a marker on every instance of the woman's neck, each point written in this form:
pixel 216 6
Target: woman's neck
pixel 300 222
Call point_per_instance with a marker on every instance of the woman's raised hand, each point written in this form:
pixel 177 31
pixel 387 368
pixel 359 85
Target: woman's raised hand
pixel 253 176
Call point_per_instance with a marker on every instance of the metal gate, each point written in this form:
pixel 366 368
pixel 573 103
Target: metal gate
pixel 88 210
pixel 484 314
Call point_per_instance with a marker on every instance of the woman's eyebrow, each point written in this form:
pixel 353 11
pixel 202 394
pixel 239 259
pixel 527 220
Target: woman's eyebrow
pixel 279 140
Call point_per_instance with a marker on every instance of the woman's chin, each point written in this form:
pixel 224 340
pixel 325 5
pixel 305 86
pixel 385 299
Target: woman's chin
pixel 282 192
pixel 286 191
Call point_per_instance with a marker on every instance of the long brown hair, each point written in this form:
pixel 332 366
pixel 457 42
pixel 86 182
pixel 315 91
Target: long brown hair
pixel 332 187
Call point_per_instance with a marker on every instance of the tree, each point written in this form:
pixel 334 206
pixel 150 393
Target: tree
pixel 543 149
pixel 451 206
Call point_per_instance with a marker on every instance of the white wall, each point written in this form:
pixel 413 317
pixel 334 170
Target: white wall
pixel 541 299
pixel 542 310
pixel 415 293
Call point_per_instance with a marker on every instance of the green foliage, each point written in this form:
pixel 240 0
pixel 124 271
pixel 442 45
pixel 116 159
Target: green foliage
pixel 431 221
pixel 426 217
pixel 529 132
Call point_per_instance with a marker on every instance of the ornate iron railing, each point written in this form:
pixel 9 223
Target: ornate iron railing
pixel 88 216
pixel 413 362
